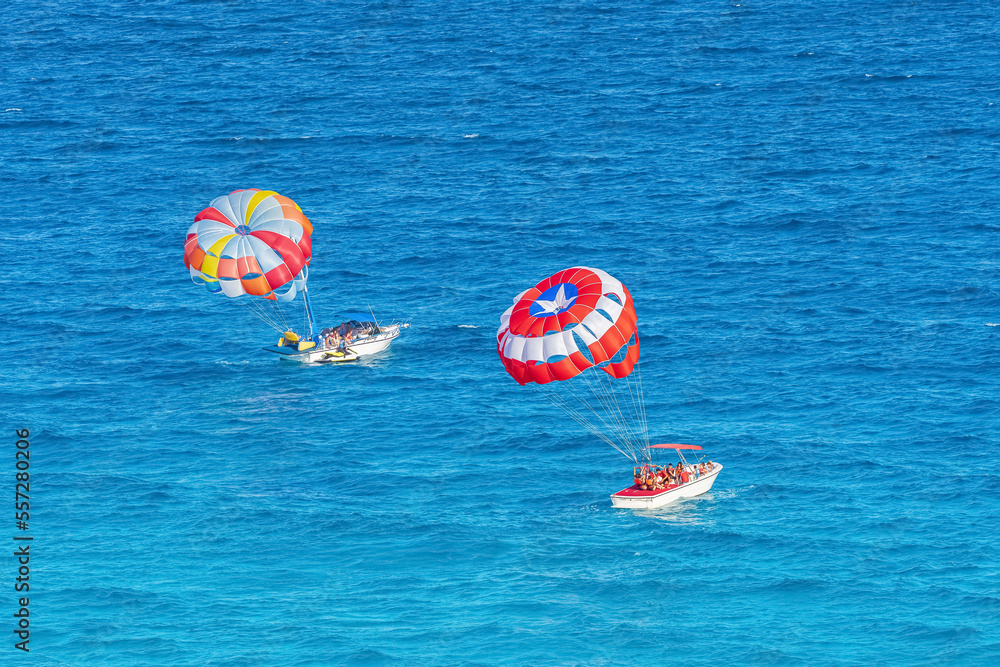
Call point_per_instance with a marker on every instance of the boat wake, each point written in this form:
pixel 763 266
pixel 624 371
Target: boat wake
pixel 677 516
pixel 729 494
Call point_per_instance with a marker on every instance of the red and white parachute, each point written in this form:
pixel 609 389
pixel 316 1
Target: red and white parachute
pixel 573 336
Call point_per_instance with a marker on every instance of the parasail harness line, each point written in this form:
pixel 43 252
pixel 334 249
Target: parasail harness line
pixel 642 409
pixel 611 400
pixel 619 421
pixel 609 405
pixel 273 316
pixel 622 446
pixel 607 395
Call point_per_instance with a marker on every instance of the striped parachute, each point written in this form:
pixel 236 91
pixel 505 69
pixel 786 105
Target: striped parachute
pixel 558 331
pixel 251 242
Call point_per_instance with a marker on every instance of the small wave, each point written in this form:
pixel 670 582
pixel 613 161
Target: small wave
pixel 993 324
pixel 795 585
pixel 467 326
pixel 13 109
pixel 471 136
pixel 676 513
pixel 729 493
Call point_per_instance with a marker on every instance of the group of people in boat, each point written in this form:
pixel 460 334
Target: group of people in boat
pixel 650 476
pixel 337 339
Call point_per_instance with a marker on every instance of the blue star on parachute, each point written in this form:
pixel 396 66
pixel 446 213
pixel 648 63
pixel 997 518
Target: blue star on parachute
pixel 556 305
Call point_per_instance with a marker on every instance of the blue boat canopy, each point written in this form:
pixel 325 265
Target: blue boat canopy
pixel 357 317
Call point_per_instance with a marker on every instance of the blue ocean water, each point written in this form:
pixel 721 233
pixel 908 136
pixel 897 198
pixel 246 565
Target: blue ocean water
pixel 800 197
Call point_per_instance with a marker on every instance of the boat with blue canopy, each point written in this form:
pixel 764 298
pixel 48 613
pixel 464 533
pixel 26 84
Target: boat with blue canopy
pixel 357 335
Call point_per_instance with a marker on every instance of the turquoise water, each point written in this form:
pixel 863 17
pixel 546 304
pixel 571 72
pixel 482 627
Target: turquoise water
pixel 801 199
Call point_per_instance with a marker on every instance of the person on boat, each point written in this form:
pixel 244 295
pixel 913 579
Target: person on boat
pixel 685 475
pixel 661 478
pixel 651 477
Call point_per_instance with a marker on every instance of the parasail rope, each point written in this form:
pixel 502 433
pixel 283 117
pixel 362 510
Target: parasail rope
pixel 271 314
pixel 581 419
pixel 633 413
pixel 634 420
pixel 612 390
pixel 642 404
pixel 561 402
pixel 256 310
pixel 613 407
pixel 628 422
pixel 638 408
pixel 605 401
pixel 581 401
pixel 638 411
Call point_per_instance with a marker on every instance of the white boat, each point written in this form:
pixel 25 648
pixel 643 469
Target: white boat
pixel 635 497
pixel 309 354
pixel 367 337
